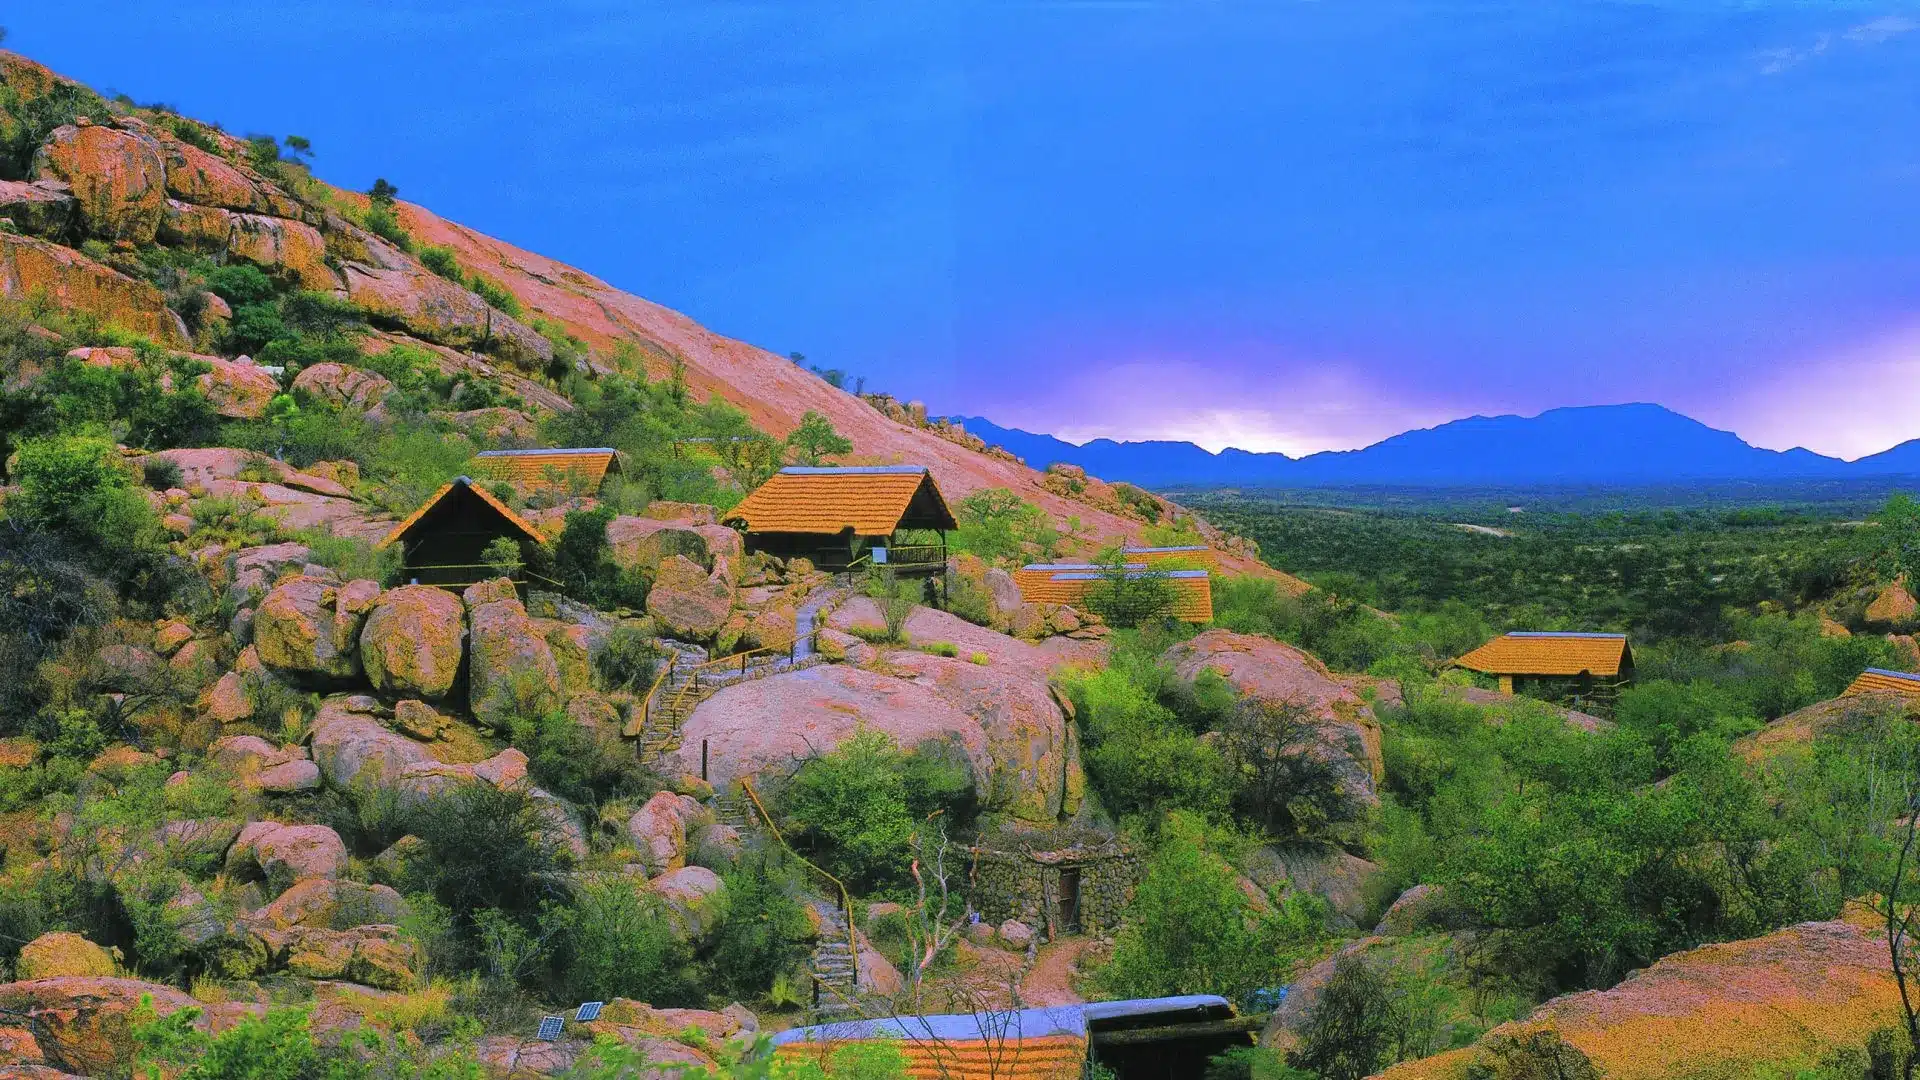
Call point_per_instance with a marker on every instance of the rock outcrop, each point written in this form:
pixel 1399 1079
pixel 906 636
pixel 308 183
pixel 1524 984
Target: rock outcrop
pixel 690 602
pixel 771 723
pixel 354 749
pixel 308 627
pixel 284 854
pixel 413 642
pixel 511 671
pixel 1799 998
pixel 62 954
pixel 342 386
pixel 85 1025
pixel 71 280
pixel 1262 668
pixel 118 179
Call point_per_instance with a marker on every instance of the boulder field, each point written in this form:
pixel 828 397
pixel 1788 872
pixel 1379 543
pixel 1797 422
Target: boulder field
pixel 1002 718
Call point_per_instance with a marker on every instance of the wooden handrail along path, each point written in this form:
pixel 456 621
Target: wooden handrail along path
pixel 846 900
pixel 677 690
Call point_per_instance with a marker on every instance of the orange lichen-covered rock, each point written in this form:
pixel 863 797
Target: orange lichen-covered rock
pixel 440 311
pixel 279 243
pixel 340 385
pixel 240 389
pixel 71 280
pixel 195 176
pixel 84 1025
pixel 1895 606
pixel 205 227
pixel 118 178
pixel 413 642
pixel 1794 999
pixel 303 630
pixel 61 953
pixel 688 601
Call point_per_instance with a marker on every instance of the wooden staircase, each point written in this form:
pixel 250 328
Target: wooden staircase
pixel 693 678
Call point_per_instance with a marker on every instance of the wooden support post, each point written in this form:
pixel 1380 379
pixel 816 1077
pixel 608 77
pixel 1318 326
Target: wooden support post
pixel 703 761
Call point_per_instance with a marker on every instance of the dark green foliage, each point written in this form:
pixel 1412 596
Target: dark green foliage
pixel 584 766
pixel 1657 573
pixel 583 563
pixel 161 475
pixel 618 943
pixel 489 849
pixel 1283 782
pixel 1142 757
pixel 440 260
pixel 1349 1034
pixel 628 660
pixel 766 931
pixel 856 808
pixel 1003 528
pixel 240 283
pixel 1190 929
pixel 1563 840
pixel 651 425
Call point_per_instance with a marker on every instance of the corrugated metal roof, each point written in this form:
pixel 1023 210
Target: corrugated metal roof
pixel 1031 1044
pixel 486 496
pixel 1097 1011
pixel 1872 679
pixel 872 501
pixel 1527 652
pixel 585 468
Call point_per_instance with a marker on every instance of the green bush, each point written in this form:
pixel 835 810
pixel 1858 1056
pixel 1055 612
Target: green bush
pixel 857 806
pixel 621 944
pixel 1190 929
pixel 583 563
pixel 488 849
pixel 765 934
pixel 583 765
pixel 1002 528
pixel 440 260
pixel 628 660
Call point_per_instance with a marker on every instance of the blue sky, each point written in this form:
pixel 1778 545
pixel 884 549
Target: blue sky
pixel 1280 225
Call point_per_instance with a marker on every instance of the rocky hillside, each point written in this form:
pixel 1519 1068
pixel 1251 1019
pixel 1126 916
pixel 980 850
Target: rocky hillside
pixel 114 180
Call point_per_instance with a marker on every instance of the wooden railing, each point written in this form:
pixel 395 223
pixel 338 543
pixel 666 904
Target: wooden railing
pixel 741 661
pixel 479 572
pixel 846 901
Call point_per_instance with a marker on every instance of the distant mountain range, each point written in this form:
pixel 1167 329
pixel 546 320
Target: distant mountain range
pixel 1597 444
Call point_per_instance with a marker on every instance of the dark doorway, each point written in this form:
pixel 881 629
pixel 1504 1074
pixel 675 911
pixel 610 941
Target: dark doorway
pixel 1068 919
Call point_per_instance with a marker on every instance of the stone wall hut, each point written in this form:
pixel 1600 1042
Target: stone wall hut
pixel 1577 669
pixel 441 543
pixel 1058 882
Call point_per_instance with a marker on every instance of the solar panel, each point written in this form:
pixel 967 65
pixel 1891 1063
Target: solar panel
pixel 589 1011
pixel 550 1027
